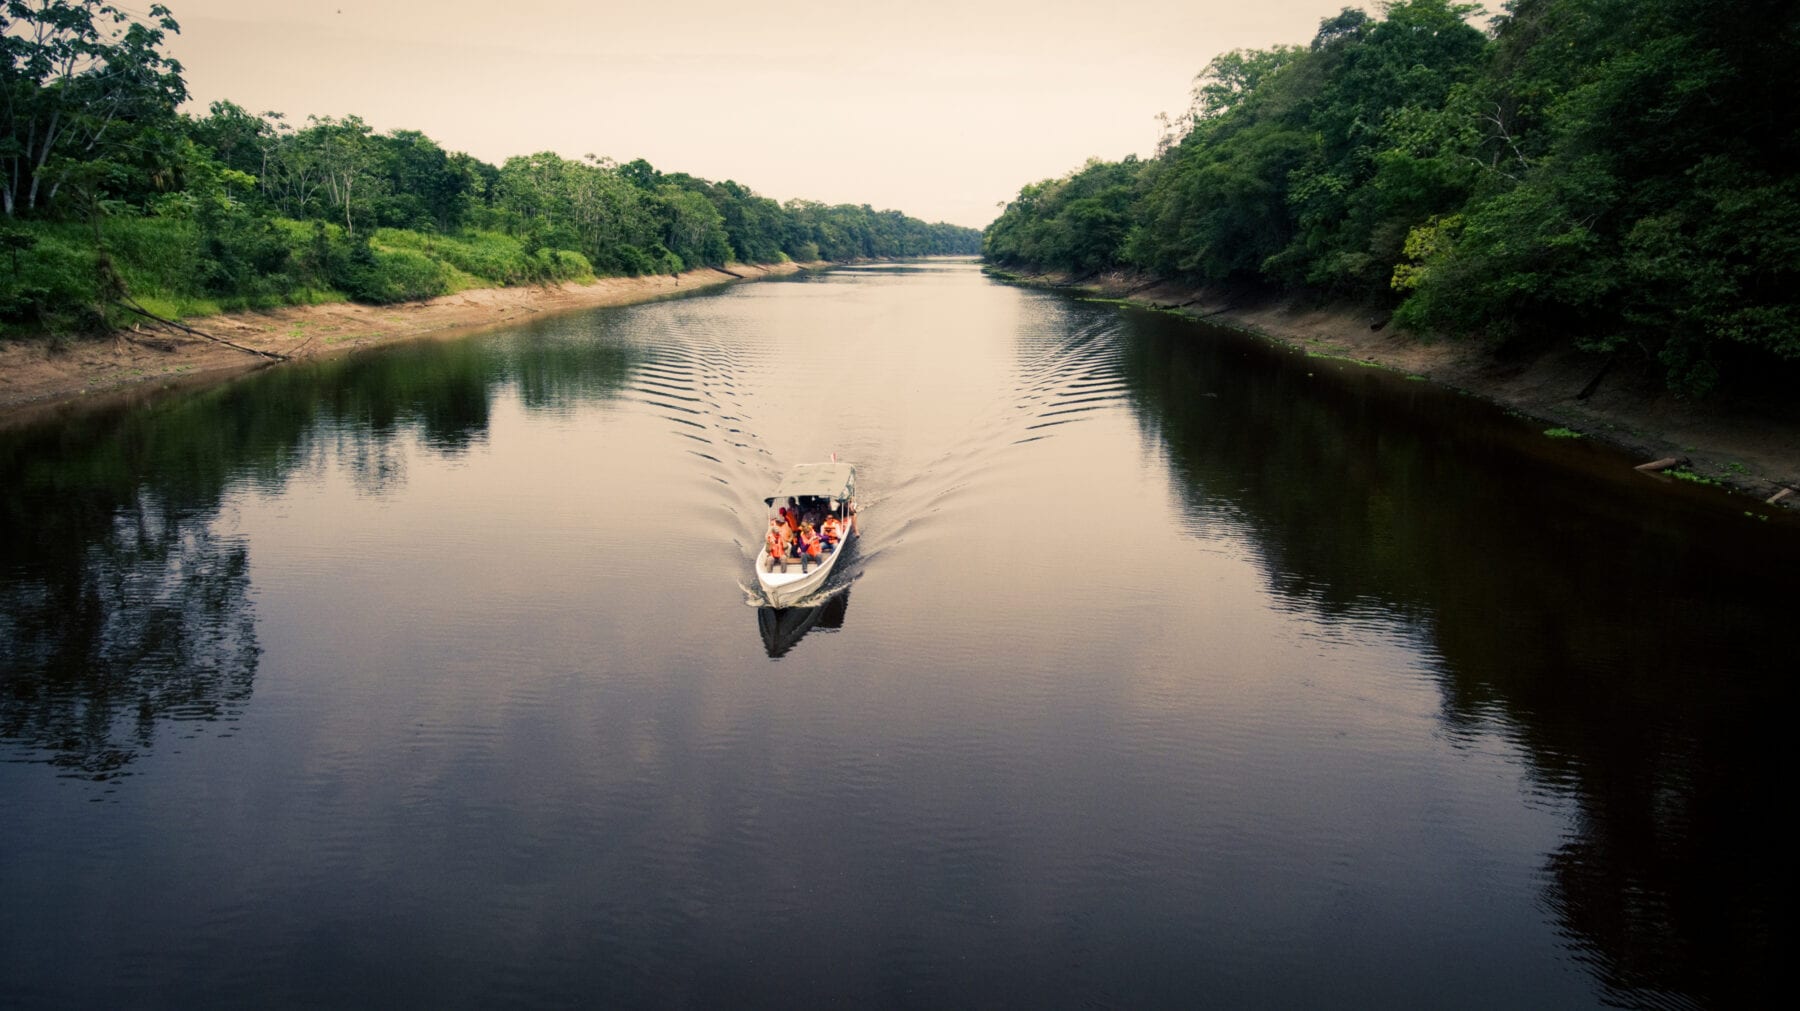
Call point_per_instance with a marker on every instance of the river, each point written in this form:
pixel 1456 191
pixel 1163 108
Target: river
pixel 1170 668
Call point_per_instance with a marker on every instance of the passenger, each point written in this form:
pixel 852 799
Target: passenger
pixel 776 543
pixel 810 543
pixel 772 544
pixel 831 532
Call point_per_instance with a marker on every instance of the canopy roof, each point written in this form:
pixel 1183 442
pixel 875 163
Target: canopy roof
pixel 825 480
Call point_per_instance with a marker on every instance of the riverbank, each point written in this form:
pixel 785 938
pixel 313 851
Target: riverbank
pixel 1752 448
pixel 42 376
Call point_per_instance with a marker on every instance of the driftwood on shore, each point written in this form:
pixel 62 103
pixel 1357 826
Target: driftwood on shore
pixel 138 335
pixel 130 305
pixel 1594 383
pixel 1666 463
pixel 1779 497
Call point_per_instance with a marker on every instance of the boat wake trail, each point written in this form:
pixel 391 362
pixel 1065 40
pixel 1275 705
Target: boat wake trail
pixel 702 374
pixel 1066 371
pixel 876 377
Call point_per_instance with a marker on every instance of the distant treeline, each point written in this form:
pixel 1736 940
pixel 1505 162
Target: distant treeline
pixel 111 196
pixel 1620 174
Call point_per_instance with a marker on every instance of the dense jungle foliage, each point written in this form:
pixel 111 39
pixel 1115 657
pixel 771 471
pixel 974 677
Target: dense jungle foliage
pixel 112 197
pixel 1620 174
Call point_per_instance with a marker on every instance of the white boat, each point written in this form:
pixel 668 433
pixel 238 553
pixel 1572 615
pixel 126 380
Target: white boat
pixel 810 492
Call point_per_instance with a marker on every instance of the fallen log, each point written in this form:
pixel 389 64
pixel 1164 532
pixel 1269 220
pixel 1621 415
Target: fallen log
pixel 1666 463
pixel 143 338
pixel 291 352
pixel 1594 383
pixel 1779 497
pixel 129 305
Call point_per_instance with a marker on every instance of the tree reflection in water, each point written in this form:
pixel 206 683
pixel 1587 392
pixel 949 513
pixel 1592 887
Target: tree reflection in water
pixel 152 623
pixel 1620 637
pixel 123 607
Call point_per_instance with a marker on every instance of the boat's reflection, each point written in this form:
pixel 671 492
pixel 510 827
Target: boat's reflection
pixel 783 627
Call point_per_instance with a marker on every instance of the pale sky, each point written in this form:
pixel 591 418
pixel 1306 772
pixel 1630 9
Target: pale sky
pixel 938 109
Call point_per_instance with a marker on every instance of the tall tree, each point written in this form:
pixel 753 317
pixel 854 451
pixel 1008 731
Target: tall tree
pixel 80 80
pixel 348 159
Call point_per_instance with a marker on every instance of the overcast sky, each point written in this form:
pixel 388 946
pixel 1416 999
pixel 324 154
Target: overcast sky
pixel 938 109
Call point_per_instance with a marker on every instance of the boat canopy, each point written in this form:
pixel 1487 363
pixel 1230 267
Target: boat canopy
pixel 821 480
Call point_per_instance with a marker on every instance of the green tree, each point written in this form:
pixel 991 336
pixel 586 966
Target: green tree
pixel 1639 190
pixel 80 82
pixel 1077 223
pixel 693 229
pixel 423 186
pixel 1375 78
pixel 348 159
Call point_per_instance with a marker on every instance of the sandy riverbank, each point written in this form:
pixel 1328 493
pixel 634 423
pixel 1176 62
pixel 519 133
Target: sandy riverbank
pixel 39 378
pixel 1754 448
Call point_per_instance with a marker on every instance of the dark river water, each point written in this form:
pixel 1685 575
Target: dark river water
pixel 1170 670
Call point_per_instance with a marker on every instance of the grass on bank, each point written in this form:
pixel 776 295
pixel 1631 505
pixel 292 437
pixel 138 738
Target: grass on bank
pixel 55 280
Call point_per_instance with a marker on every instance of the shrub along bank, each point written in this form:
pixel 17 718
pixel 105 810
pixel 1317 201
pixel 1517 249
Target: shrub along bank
pixel 171 267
